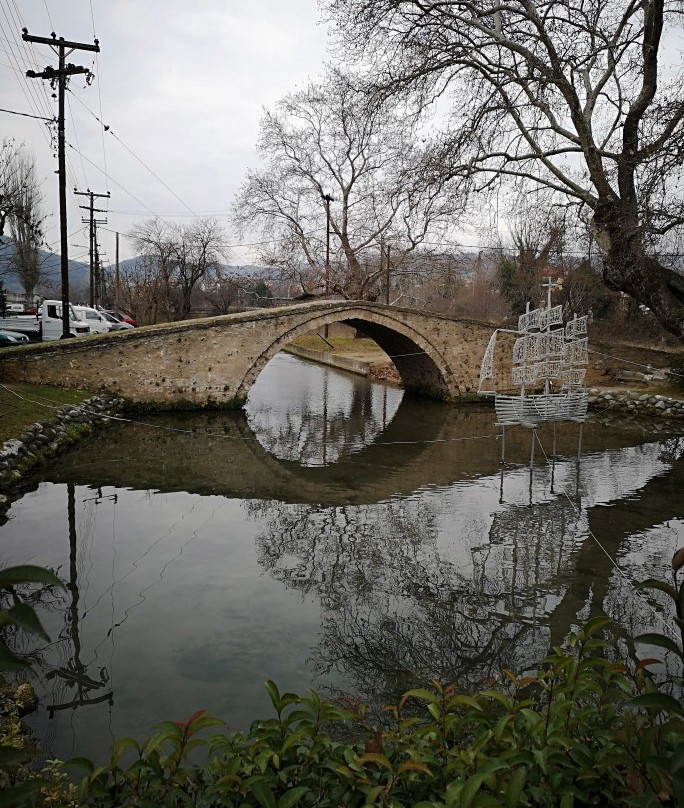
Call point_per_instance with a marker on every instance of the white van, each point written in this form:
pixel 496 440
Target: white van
pixel 98 323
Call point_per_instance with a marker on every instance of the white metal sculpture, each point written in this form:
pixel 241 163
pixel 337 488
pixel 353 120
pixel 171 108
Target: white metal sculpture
pixel 549 368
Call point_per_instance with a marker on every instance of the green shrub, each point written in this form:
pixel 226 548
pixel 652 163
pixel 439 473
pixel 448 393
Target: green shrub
pixel 585 730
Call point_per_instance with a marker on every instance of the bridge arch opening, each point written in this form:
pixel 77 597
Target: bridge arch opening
pixel 421 367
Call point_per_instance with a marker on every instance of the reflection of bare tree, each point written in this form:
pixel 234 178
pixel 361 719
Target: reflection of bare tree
pixel 397 612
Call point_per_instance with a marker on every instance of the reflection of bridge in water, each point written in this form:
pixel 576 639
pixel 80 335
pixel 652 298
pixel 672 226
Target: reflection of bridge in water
pixel 217 453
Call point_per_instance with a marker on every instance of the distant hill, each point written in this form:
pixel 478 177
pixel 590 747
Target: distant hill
pixel 248 270
pixel 79 272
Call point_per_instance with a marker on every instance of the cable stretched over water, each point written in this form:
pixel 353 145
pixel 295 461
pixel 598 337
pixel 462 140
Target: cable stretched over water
pixel 617 568
pixel 210 434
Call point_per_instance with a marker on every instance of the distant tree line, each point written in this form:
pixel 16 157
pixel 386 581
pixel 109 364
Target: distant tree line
pixel 444 119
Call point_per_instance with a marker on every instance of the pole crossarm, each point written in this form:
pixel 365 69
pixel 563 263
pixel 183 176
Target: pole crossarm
pixel 59 42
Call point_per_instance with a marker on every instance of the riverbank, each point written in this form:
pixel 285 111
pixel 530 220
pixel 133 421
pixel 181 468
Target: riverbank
pixel 57 428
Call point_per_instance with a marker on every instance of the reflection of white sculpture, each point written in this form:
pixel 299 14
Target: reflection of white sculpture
pixel 549 368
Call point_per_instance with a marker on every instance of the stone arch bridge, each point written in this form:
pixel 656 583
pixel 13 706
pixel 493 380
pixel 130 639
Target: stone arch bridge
pixel 214 361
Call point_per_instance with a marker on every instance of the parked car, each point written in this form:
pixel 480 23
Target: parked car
pixel 8 338
pixel 123 318
pixel 15 308
pixel 114 324
pixel 97 321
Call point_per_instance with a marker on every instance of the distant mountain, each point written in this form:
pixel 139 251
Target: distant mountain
pixel 248 270
pixel 79 272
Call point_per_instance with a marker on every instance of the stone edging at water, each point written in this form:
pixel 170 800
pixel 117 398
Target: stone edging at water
pixel 333 360
pixel 44 440
pixel 636 403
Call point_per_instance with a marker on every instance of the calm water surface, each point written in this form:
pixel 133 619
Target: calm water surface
pixel 337 536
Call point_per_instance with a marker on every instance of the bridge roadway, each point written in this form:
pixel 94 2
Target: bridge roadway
pixel 214 361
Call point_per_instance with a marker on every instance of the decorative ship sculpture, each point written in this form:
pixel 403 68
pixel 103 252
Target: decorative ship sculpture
pixel 549 369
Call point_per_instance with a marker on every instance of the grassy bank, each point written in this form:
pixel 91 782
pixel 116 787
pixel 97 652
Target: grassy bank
pixel 23 404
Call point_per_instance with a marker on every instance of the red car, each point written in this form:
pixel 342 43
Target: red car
pixel 122 318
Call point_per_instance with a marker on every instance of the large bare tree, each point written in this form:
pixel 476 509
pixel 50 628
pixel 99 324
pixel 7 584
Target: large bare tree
pixel 331 139
pixel 179 256
pixel 574 96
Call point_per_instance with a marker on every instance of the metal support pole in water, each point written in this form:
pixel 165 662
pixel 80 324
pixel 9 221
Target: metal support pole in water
pixel 553 460
pixel 503 445
pixel 534 437
pixel 579 454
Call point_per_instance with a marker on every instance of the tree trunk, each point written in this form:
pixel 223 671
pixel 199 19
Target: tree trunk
pixel 626 268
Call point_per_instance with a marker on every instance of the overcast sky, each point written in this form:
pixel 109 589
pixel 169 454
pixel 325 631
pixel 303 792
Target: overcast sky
pixel 182 85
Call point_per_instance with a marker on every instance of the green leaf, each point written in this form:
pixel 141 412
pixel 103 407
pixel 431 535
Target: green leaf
pixel 151 744
pixel 118 748
pixel 596 624
pixel 515 787
pixel 28 574
pixel 25 617
pixel 373 757
pixel 273 693
pixel 292 797
pixel 657 701
pixel 469 701
pixel 10 756
pixel 10 661
pixel 659 640
pixel 80 762
pixel 422 694
pixel 263 793
pixel 654 583
pixel 470 789
pixel 18 794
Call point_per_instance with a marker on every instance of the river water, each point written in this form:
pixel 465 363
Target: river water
pixel 336 535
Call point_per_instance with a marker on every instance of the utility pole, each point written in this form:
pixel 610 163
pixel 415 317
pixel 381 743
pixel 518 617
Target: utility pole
pixel 327 199
pixel 91 221
pixel 116 287
pixel 387 276
pixel 60 79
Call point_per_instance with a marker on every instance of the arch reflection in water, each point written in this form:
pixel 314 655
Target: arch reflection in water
pixel 316 423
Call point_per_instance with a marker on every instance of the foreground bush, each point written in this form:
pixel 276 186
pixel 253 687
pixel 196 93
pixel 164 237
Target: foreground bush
pixel 585 730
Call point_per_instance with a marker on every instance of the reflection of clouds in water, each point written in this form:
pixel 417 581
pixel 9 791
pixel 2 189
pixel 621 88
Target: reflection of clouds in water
pixel 319 414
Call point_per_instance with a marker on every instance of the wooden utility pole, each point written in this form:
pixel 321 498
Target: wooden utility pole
pixel 387 276
pixel 60 78
pixel 327 198
pixel 91 221
pixel 116 288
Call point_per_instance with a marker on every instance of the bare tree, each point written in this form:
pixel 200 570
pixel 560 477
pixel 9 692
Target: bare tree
pixel 179 256
pixel 568 95
pixel 331 140
pixel 20 208
pixel 26 227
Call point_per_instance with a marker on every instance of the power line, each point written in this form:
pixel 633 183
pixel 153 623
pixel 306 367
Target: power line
pixel 27 115
pixel 118 184
pixel 107 128
pixel 618 569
